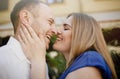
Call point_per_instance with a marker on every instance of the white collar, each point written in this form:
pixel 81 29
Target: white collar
pixel 17 49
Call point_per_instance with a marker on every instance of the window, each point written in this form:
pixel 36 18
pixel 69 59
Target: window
pixel 3 5
pixel 54 1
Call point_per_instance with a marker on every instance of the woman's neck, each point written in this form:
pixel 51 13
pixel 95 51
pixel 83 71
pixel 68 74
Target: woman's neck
pixel 66 55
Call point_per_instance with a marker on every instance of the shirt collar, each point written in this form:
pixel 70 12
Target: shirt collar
pixel 17 49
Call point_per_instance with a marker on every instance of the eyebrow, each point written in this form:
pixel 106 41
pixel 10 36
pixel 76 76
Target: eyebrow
pixel 67 24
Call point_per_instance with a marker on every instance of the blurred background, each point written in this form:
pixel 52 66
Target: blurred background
pixel 106 12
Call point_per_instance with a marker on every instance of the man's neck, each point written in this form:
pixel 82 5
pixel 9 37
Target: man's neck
pixel 16 36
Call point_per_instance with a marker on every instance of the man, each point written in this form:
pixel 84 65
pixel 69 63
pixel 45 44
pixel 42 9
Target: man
pixel 13 62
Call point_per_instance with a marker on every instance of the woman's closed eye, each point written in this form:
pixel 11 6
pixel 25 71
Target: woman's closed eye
pixel 66 27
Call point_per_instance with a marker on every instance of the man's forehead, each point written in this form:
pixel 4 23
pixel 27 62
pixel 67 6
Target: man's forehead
pixel 45 10
pixel 44 6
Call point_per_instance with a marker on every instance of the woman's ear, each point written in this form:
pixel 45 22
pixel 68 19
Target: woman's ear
pixel 26 17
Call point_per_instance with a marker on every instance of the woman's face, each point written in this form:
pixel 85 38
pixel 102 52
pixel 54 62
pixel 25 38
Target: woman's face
pixel 63 42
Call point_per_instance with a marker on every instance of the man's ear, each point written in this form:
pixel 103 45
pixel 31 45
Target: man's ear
pixel 26 17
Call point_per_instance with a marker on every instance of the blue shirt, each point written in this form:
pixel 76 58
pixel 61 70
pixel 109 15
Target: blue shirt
pixel 86 59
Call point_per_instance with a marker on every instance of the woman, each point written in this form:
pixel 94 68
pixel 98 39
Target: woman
pixel 81 42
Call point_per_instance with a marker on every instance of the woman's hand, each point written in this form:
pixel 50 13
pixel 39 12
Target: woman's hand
pixel 33 45
pixel 34 48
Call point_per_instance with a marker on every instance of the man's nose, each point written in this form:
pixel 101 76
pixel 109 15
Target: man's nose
pixel 59 31
pixel 54 30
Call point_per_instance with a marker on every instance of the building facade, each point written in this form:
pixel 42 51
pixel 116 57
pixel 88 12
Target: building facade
pixel 106 12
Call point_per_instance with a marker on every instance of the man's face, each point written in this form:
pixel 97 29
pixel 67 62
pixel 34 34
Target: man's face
pixel 44 21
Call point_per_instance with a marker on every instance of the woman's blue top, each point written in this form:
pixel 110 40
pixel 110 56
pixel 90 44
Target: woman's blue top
pixel 88 59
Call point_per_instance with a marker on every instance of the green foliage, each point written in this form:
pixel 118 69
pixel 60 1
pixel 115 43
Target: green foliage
pixel 53 38
pixel 56 65
pixel 52 41
pixel 112 38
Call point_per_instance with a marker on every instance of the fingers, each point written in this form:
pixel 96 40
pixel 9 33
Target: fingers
pixel 28 35
pixel 33 45
pixel 42 38
pixel 41 35
pixel 22 36
pixel 21 41
pixel 36 37
pixel 30 32
pixel 25 33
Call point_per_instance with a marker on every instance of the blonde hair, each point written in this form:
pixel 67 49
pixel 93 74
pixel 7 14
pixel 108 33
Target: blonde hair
pixel 86 34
